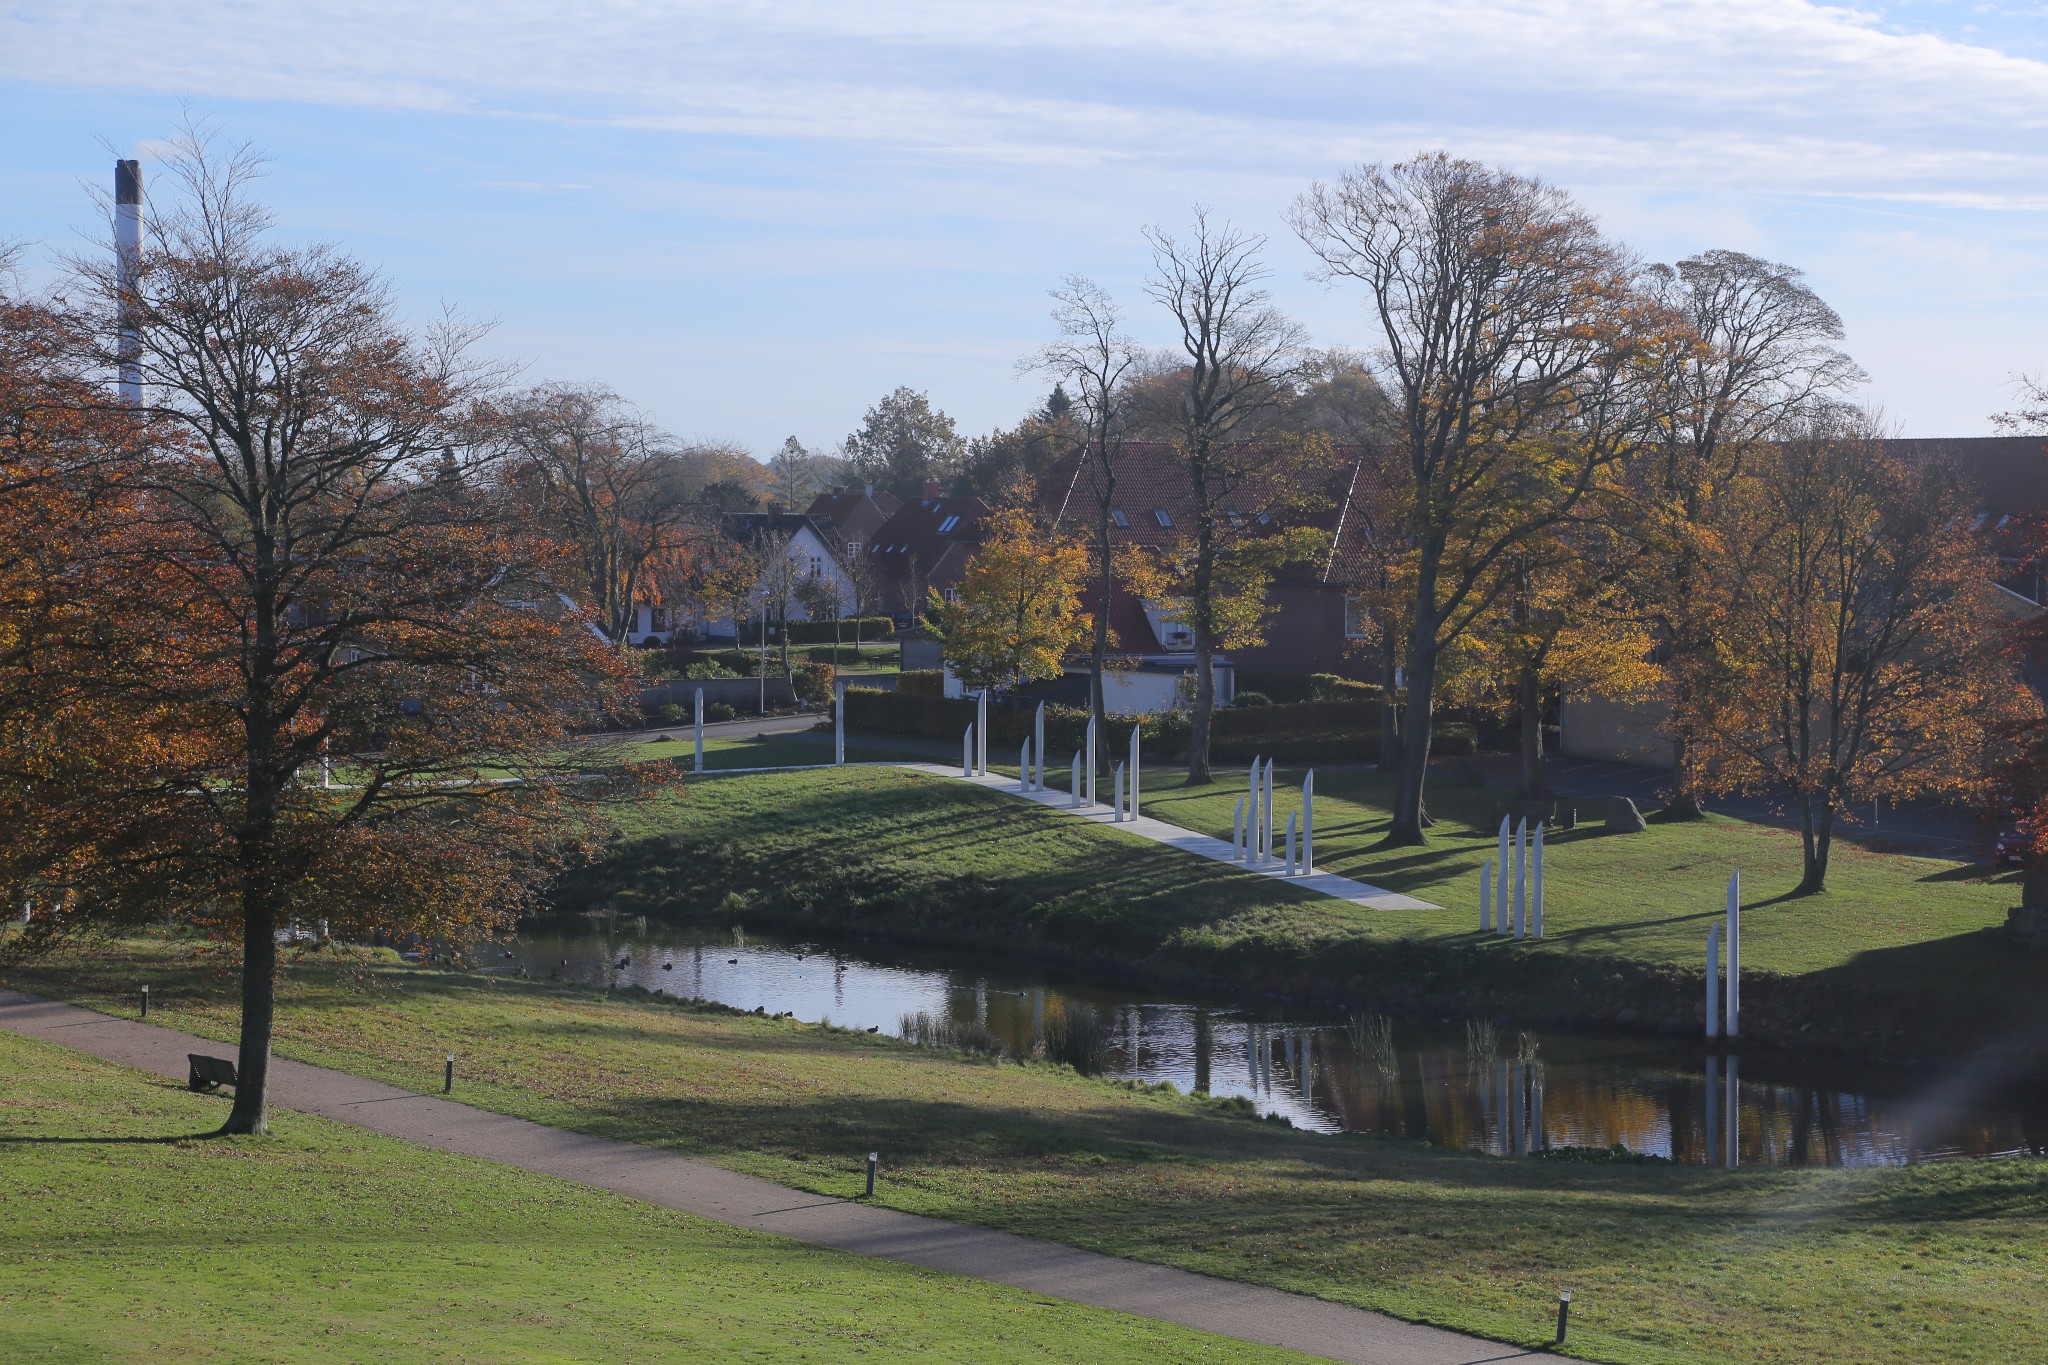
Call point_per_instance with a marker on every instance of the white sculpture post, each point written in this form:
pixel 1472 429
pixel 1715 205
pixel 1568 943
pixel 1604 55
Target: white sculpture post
pixel 1536 892
pixel 1500 881
pixel 1714 981
pixel 1266 825
pixel 1486 896
pixel 981 733
pixel 1732 1015
pixel 1290 843
pixel 1074 783
pixel 1119 793
pixel 1308 824
pixel 1237 832
pixel 967 751
pixel 1091 761
pixel 1136 733
pixel 1038 745
pixel 1251 819
pixel 1024 766
pixel 839 724
pixel 1521 907
pixel 700 729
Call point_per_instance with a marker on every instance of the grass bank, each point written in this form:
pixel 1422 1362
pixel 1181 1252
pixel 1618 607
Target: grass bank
pixel 1669 1264
pixel 1900 960
pixel 130 1237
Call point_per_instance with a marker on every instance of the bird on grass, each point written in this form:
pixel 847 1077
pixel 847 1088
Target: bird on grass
pixel 732 962
pixel 624 963
pixel 668 966
pixel 876 1029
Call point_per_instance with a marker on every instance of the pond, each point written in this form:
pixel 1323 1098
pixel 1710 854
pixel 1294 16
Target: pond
pixel 1474 1084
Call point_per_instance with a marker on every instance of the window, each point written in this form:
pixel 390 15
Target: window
pixel 948 524
pixel 1236 518
pixel 949 594
pixel 817 566
pixel 1123 523
pixel 1159 515
pixel 853 547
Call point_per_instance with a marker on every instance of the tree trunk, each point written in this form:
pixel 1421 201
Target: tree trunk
pixel 1530 697
pixel 1817 839
pixel 251 1112
pixel 1205 649
pixel 1418 717
pixel 1684 803
pixel 1098 657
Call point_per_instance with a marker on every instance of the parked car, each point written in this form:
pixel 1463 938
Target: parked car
pixel 2010 848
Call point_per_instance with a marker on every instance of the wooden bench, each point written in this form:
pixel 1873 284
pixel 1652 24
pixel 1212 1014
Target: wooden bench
pixel 209 1073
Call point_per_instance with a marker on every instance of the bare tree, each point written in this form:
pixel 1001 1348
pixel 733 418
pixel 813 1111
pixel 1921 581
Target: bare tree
pixel 1098 358
pixel 596 473
pixel 1762 351
pixel 1239 357
pixel 1498 303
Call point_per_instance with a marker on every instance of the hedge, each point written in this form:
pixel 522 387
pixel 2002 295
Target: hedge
pixel 872 630
pixel 1287 688
pixel 922 682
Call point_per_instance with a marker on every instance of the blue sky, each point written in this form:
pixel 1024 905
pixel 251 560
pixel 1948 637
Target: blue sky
pixel 753 219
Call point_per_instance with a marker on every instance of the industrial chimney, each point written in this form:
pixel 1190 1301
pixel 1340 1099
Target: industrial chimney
pixel 128 261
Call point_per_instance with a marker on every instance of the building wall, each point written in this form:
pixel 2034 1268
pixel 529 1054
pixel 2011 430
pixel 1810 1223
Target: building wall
pixel 1616 731
pixel 1305 634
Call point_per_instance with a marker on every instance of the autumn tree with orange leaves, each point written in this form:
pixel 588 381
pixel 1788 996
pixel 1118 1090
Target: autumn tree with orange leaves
pixel 1016 613
pixel 1855 655
pixel 321 602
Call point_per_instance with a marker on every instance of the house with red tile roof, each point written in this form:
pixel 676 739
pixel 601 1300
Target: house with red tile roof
pixel 924 547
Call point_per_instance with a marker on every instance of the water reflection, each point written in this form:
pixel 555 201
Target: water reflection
pixel 1471 1085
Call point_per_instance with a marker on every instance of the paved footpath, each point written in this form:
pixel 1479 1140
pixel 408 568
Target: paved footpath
pixel 1245 1312
pixel 1186 840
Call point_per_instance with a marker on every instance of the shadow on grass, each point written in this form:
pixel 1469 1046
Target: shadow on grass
pixel 19 1139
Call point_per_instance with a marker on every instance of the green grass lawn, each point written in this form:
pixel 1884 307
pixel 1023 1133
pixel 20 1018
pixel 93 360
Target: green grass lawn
pixel 1669 1264
pixel 128 1237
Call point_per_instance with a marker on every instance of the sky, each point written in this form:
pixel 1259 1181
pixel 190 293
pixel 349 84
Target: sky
pixel 755 219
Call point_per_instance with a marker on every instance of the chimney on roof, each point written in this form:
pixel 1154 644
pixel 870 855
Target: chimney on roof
pixel 871 490
pixel 774 509
pixel 128 264
pixel 931 488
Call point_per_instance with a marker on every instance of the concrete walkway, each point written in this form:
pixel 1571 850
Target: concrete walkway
pixel 1245 1312
pixel 1186 840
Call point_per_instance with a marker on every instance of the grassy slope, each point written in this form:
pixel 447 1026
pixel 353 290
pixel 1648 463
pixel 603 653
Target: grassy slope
pixel 128 1239
pixel 1942 1262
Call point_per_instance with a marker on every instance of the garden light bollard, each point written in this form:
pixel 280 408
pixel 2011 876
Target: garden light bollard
pixel 1290 843
pixel 1564 1313
pixel 1308 824
pixel 1521 903
pixel 873 1157
pixel 700 730
pixel 1714 981
pixel 1536 890
pixel 839 724
pixel 145 1000
pixel 967 751
pixel 1038 744
pixel 1731 1014
pixel 448 1076
pixel 1074 783
pixel 1500 881
pixel 1485 896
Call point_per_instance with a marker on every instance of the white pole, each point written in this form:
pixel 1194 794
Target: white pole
pixel 1290 843
pixel 1500 881
pixel 1251 815
pixel 1136 734
pixel 1237 832
pixel 700 729
pixel 839 724
pixel 1038 746
pixel 981 732
pixel 1733 1013
pixel 1536 895
pixel 1486 896
pixel 1024 766
pixel 764 658
pixel 1308 824
pixel 326 771
pixel 1119 793
pixel 1091 760
pixel 1714 981
pixel 1266 826
pixel 1521 906
pixel 967 751
pixel 1074 783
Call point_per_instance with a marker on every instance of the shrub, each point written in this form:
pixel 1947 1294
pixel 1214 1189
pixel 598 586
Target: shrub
pixel 669 713
pixel 706 670
pixel 1074 1034
pixel 870 628
pixel 719 710
pixel 922 682
pixel 1243 699
pixel 813 683
pixel 943 1031
pixel 1301 731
